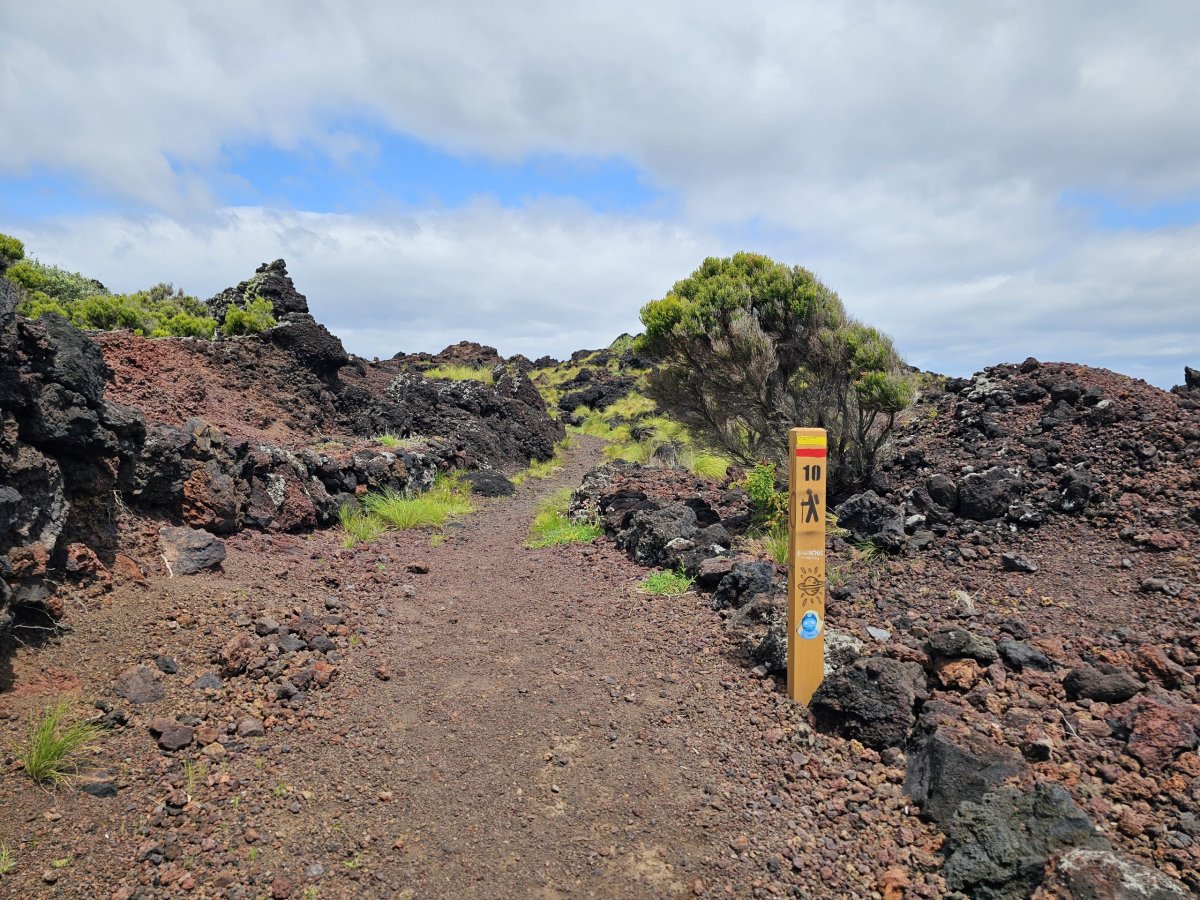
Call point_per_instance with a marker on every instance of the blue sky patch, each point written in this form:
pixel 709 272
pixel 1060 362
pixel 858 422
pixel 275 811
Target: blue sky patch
pixel 394 169
pixel 1113 213
pixel 44 194
pixel 386 170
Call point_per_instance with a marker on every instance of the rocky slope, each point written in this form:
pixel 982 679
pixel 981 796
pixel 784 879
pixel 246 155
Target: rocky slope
pixel 1013 616
pixel 272 431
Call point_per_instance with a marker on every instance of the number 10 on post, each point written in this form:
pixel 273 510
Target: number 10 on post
pixel 808 449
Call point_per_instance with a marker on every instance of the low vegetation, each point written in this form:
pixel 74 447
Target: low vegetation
pixel 254 318
pixel 52 747
pixel 8 861
pixel 460 373
pixel 394 442
pixel 769 509
pixel 666 583
pixel 160 311
pixel 551 526
pixel 637 432
pixel 396 510
pixel 544 468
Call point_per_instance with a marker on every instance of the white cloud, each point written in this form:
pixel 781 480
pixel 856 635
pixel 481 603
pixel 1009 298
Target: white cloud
pixel 913 154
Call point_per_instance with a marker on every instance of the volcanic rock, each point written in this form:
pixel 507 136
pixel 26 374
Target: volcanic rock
pixel 1104 875
pixel 189 551
pixel 949 765
pixel 1161 730
pixel 872 701
pixel 1115 685
pixel 744 582
pixel 999 846
pixel 987 495
pixel 139 685
pixel 488 483
pixel 959 643
pixel 869 517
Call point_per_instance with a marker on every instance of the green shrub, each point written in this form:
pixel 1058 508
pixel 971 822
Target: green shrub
pixel 11 251
pixel 768 504
pixel 750 346
pixel 253 319
pixel 160 311
pixel 551 526
pixel 666 583
pixel 460 373
pixel 51 747
pixel 37 277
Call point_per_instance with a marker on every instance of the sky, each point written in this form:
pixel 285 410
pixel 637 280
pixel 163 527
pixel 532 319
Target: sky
pixel 984 182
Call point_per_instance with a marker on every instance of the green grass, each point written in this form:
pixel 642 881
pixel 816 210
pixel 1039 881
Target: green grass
pixel 869 552
pixel 631 406
pixel 428 510
pixel 8 862
pixel 775 542
pixel 705 463
pixel 551 526
pixel 634 435
pixel 666 583
pixel 51 748
pixel 358 526
pixel 390 509
pixel 460 373
pixel 544 468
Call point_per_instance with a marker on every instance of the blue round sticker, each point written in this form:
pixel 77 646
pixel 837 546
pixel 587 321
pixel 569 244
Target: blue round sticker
pixel 810 625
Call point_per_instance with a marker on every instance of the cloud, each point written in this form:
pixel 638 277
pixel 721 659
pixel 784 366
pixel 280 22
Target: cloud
pixel 915 155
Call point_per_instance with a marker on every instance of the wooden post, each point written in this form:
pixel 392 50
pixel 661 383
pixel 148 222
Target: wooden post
pixel 806 558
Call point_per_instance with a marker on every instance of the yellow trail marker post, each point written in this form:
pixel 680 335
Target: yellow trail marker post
pixel 806 561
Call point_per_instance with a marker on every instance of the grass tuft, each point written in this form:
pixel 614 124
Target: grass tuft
pixel 431 509
pixel 705 464
pixel 391 509
pixel 8 862
pixel 775 542
pixel 460 373
pixel 869 552
pixel 551 526
pixel 666 583
pixel 359 526
pixel 51 748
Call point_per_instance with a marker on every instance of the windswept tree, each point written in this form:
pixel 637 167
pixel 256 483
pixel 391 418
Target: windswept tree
pixel 751 347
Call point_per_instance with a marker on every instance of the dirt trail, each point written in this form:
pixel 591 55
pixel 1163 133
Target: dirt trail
pixel 515 743
pixel 508 723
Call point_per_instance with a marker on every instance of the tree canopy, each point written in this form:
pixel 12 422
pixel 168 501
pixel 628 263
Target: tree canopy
pixel 752 348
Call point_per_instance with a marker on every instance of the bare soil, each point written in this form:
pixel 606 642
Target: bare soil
pixel 500 722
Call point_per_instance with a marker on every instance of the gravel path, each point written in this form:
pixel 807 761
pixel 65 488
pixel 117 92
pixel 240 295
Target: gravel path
pixel 500 722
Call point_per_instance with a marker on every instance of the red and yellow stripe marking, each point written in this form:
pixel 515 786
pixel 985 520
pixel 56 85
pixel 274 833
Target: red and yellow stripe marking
pixel 811 446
